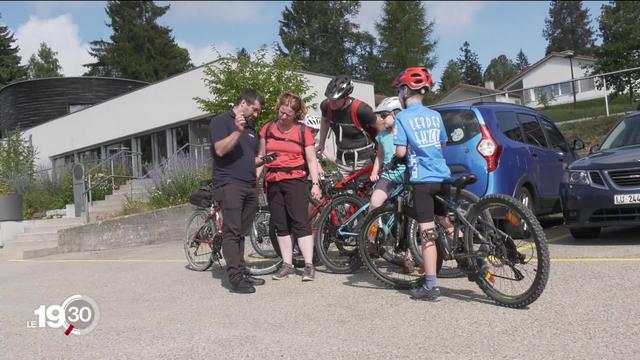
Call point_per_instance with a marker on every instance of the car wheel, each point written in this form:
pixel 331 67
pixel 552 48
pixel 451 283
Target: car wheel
pixel 585 233
pixel 524 196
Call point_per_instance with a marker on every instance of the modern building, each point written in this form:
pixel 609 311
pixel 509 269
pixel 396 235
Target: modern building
pixel 557 68
pixel 28 103
pixel 465 94
pixel 154 122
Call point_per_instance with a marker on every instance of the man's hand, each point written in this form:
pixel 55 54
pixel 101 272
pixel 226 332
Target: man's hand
pixel 241 122
pixel 374 177
pixel 316 193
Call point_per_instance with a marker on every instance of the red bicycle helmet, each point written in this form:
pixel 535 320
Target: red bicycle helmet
pixel 415 78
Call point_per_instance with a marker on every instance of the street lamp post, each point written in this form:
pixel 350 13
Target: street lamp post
pixel 570 54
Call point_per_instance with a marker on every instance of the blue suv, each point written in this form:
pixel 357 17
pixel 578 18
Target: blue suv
pixel 512 149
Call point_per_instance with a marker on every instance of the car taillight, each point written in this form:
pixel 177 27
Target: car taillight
pixel 489 149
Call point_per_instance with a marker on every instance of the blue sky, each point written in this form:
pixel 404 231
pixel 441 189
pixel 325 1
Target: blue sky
pixel 492 28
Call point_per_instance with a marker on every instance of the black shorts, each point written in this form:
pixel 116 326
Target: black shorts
pixel 385 185
pixel 289 207
pixel 425 203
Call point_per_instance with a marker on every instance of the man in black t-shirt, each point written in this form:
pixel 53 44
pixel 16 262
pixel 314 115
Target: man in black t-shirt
pixel 234 145
pixel 351 121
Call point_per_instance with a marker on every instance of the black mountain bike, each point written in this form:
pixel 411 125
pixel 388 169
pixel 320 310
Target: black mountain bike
pixel 497 242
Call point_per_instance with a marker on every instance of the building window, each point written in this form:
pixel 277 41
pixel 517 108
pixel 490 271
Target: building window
pixel 77 107
pixel 587 85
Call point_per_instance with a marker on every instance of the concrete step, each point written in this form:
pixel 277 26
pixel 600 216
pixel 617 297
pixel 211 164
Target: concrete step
pixel 15 250
pixel 48 228
pixel 122 197
pixel 74 221
pixel 36 237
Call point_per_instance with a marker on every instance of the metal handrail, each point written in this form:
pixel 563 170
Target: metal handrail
pixel 111 157
pixel 87 193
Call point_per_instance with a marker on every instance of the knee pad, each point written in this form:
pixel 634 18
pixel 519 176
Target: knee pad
pixel 428 236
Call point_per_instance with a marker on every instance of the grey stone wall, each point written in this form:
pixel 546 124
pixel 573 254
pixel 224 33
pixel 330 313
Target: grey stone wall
pixel 153 227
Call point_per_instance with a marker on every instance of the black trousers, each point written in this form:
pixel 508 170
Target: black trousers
pixel 239 206
pixel 289 207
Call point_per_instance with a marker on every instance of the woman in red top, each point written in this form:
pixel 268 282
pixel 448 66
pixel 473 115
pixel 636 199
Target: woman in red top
pixel 286 179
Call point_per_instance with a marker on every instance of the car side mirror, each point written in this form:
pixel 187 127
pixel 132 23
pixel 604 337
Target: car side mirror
pixel 578 144
pixel 594 148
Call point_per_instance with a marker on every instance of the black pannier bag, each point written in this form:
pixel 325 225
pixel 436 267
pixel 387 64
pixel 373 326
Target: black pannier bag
pixel 201 198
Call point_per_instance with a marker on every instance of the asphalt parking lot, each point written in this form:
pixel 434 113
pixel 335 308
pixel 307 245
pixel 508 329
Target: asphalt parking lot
pixel 152 306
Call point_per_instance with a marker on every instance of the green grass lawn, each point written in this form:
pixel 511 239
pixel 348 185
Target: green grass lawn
pixel 589 108
pixel 592 132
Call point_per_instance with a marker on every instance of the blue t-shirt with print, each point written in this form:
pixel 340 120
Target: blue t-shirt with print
pixel 422 131
pixel 385 139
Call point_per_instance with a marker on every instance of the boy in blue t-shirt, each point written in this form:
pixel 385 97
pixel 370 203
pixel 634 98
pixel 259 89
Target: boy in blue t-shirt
pixel 420 135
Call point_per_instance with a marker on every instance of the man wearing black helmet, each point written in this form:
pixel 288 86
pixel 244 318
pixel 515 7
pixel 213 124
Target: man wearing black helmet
pixel 351 121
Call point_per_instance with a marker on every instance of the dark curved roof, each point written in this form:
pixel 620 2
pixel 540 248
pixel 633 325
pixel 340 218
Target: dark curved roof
pixel 28 103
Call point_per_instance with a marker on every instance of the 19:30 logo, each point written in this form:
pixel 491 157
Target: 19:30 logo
pixel 78 314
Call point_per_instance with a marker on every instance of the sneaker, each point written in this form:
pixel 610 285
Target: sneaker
pixel 422 293
pixel 309 273
pixel 284 272
pixel 254 280
pixel 242 286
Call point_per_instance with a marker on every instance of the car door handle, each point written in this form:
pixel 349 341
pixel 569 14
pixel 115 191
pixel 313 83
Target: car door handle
pixel 534 155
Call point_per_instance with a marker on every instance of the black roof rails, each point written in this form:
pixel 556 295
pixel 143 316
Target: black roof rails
pixel 501 103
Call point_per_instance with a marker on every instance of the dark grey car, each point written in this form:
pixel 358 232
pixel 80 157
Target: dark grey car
pixel 603 189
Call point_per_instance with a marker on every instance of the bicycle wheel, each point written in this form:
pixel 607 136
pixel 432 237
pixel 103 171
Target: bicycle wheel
pixel 450 268
pixel 339 252
pixel 517 257
pixel 198 228
pixel 260 239
pixel 378 248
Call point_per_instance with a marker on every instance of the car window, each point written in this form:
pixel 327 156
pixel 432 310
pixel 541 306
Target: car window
pixel 532 130
pixel 461 125
pixel 626 133
pixel 508 124
pixel 555 136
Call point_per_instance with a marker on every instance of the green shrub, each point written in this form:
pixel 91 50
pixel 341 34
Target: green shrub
pixel 45 193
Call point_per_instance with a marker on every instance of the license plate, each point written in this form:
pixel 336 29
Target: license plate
pixel 626 199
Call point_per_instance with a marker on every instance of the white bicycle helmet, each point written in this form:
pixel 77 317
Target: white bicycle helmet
pixel 390 104
pixel 312 121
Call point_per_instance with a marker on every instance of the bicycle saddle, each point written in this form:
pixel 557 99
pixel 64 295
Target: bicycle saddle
pixel 463 181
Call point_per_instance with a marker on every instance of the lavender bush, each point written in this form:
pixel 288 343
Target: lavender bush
pixel 174 180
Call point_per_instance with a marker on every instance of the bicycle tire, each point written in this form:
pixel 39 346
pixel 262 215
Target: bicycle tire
pixel 450 268
pixel 531 228
pixel 327 231
pixel 402 281
pixel 194 223
pixel 257 235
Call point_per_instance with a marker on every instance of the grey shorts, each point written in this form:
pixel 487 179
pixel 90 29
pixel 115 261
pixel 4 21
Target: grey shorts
pixel 385 185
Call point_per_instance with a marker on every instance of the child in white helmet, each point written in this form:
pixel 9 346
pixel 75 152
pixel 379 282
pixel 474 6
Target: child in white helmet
pixel 388 180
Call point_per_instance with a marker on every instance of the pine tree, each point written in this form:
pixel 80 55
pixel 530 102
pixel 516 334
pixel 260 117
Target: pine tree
pixel 10 68
pixel 500 69
pixel 323 35
pixel 521 61
pixel 44 64
pixel 405 40
pixel 568 27
pixel 139 48
pixel 470 67
pixel 620 31
pixel 450 77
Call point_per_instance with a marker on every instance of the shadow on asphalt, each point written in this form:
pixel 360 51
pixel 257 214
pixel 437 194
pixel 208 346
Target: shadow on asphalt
pixel 608 237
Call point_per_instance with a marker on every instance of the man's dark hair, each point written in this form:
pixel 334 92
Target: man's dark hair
pixel 250 96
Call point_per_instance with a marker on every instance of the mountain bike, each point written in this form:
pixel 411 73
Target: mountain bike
pixel 350 212
pixel 338 251
pixel 203 238
pixel 497 242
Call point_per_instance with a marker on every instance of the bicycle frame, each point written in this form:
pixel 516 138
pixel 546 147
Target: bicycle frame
pixel 214 218
pixel 341 231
